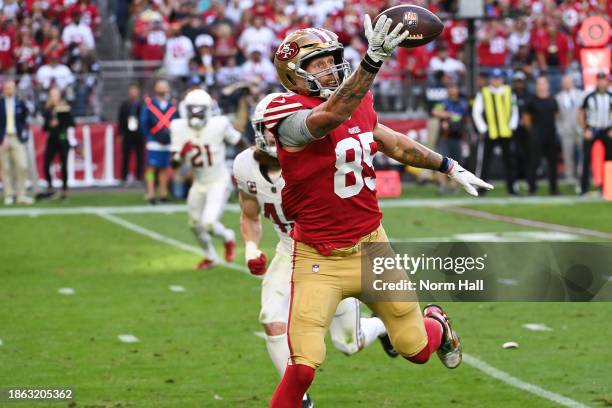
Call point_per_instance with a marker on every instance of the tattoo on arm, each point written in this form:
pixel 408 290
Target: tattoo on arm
pixel 420 156
pixel 405 150
pixel 340 105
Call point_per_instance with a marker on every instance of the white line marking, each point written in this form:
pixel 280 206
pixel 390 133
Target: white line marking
pixel 128 338
pixel 1 343
pixel 472 361
pixel 384 203
pixel 520 384
pixel 507 282
pixel 162 238
pixel 537 327
pixel 66 291
pixel 176 288
pixel 503 236
pixel 529 223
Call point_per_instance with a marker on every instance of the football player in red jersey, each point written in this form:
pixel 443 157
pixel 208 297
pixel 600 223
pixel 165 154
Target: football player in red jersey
pixel 327 133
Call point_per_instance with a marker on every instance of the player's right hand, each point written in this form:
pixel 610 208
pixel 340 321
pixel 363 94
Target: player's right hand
pixel 381 42
pixel 257 266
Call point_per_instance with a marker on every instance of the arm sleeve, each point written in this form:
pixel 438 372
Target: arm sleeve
pixel 477 111
pixel 231 135
pixel 176 137
pixel 293 131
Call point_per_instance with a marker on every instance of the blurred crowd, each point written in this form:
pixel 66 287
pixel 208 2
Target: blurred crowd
pixel 221 42
pixel 51 43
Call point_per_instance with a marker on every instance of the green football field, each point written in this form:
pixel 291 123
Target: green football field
pixel 199 347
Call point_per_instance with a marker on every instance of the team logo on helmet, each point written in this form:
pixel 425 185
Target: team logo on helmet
pixel 411 19
pixel 287 51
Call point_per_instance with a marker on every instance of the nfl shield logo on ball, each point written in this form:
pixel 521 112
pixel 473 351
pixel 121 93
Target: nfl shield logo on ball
pixel 316 268
pixel 411 19
pixel 252 187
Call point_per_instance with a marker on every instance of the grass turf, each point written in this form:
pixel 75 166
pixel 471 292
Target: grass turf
pixel 198 349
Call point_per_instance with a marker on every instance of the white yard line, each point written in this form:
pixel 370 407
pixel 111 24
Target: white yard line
pixel 528 223
pixel 162 238
pixel 384 203
pixel 520 384
pixel 105 213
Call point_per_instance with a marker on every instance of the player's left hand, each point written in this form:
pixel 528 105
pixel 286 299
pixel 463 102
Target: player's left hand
pixel 467 180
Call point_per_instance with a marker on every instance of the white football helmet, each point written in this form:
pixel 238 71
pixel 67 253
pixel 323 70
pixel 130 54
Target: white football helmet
pixel 197 107
pixel 264 140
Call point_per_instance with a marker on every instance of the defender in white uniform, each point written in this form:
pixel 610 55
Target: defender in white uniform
pixel 199 139
pixel 259 180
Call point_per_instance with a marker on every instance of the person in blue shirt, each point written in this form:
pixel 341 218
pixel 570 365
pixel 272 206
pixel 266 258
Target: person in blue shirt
pixel 155 118
pixel 452 113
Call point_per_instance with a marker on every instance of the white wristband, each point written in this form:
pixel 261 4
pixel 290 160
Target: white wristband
pixel 251 251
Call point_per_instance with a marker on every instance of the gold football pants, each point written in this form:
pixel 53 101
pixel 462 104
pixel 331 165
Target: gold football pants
pixel 320 282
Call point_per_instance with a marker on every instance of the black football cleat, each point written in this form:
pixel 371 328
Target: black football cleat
pixel 307 402
pixel 449 351
pixel 385 341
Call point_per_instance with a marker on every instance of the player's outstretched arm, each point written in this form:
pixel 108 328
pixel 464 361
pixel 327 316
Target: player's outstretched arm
pixel 407 151
pixel 250 228
pixel 343 102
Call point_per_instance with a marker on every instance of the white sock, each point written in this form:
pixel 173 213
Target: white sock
pixel 278 349
pixel 220 231
pixel 371 328
pixel 205 242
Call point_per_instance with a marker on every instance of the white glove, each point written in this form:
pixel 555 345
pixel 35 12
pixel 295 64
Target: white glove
pixel 466 179
pixel 381 44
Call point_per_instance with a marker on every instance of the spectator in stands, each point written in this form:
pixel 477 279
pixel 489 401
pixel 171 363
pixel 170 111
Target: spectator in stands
pixel 7 44
pixel 132 140
pixel 54 74
pixel 11 9
pixel 178 54
pixel 541 113
pixel 194 28
pixel 495 115
pixel 204 60
pixel 58 120
pixel 229 73
pixel 595 118
pixel 78 33
pixel 27 55
pixel 257 68
pixel 149 40
pixel 257 35
pixel 155 125
pixel 492 45
pixel 13 138
pixel 89 14
pixel 225 43
pixel 443 62
pixel 520 36
pixel 452 113
pixel 553 54
pixel 568 100
pixel 52 44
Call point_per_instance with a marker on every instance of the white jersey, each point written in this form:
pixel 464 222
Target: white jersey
pixel 250 180
pixel 207 159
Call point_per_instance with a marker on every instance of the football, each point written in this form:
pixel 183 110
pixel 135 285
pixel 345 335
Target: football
pixel 423 25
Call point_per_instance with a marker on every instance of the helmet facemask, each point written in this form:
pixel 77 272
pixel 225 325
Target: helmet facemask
pixel 197 115
pixel 262 136
pixel 340 71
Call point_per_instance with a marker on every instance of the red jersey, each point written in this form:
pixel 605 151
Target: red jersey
pixel 7 47
pixel 330 185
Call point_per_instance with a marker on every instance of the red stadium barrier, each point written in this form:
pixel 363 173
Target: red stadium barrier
pixel 97 161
